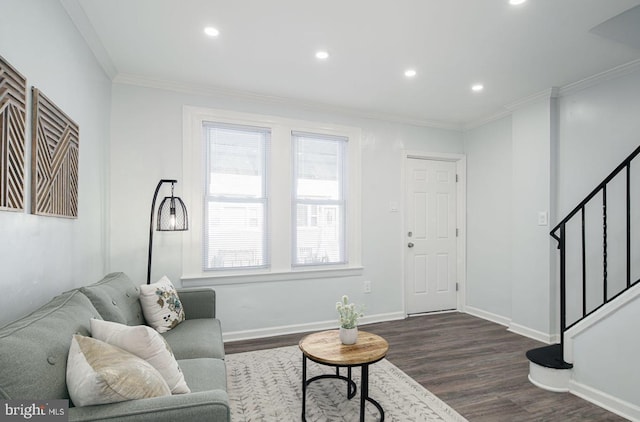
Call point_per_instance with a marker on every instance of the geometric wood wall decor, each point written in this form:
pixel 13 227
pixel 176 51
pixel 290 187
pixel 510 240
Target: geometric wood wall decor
pixel 13 110
pixel 54 160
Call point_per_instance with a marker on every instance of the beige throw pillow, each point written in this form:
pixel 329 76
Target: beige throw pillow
pixel 161 305
pixel 99 373
pixel 146 343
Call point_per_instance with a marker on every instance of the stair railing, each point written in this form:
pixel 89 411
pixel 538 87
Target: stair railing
pixel 559 234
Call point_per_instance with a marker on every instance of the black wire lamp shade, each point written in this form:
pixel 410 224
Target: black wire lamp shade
pixel 172 216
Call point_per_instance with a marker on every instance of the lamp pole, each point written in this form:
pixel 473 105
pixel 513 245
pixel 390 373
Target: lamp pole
pixel 153 206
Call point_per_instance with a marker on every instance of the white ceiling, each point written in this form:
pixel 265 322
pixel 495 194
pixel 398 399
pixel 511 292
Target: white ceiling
pixel 267 47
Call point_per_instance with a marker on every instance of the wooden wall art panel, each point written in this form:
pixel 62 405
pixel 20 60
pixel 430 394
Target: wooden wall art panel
pixel 13 110
pixel 54 160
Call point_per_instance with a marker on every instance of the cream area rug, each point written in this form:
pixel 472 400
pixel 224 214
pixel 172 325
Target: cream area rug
pixel 266 385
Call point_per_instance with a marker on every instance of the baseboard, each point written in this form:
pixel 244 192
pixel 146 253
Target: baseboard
pixel 370 319
pixel 531 333
pixel 498 319
pixel 513 327
pixel 302 328
pixel 613 404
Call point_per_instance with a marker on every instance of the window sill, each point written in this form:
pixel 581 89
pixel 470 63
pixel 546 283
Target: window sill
pixel 265 277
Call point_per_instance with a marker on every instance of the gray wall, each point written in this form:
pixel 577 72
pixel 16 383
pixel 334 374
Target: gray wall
pixel 489 220
pixel 43 256
pixel 508 259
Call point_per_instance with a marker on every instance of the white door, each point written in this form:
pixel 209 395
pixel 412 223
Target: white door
pixel 430 236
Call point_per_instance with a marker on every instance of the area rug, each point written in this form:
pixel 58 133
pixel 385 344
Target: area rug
pixel 266 385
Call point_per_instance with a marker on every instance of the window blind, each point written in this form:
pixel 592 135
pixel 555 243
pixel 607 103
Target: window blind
pixel 235 230
pixel 319 203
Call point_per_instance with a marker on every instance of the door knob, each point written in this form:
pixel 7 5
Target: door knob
pixel 410 245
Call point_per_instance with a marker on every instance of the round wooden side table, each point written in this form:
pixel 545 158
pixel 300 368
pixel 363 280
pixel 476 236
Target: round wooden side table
pixel 326 348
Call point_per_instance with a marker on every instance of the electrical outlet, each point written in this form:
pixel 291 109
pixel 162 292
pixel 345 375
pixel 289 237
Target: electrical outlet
pixel 366 286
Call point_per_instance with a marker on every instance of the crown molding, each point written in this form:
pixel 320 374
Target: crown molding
pixel 557 92
pixel 216 91
pixel 84 26
pixel 485 120
pixel 616 72
pixel 532 99
pixel 508 109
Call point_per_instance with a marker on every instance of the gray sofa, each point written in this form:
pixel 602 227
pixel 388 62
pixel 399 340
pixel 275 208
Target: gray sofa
pixel 34 350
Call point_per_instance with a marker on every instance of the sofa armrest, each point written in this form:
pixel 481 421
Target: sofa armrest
pixel 210 405
pixel 198 303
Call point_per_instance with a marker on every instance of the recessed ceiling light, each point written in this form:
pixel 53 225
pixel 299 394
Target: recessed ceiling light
pixel 322 55
pixel 211 31
pixel 516 2
pixel 477 87
pixel 410 73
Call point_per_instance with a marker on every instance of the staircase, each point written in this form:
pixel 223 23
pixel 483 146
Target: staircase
pixel 596 267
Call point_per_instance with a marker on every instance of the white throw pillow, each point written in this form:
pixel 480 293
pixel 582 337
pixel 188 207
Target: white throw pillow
pixel 161 305
pixel 146 343
pixel 99 373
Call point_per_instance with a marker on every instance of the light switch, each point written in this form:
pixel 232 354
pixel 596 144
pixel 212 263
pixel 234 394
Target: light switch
pixel 393 206
pixel 543 218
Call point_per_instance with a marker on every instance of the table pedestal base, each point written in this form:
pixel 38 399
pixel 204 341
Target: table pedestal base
pixel 351 386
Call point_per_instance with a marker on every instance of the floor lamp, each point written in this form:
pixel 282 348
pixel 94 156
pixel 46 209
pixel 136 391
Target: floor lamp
pixel 172 216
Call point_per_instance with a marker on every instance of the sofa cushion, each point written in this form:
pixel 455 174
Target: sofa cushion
pixel 196 338
pixel 34 349
pixel 99 373
pixel 116 298
pixel 161 305
pixel 146 343
pixel 210 405
pixel 198 302
pixel 205 374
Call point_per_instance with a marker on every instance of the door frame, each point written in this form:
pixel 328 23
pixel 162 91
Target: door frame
pixel 461 218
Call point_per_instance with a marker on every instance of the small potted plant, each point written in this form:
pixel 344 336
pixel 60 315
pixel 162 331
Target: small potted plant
pixel 349 315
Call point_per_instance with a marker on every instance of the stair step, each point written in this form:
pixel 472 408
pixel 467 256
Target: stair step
pixel 549 357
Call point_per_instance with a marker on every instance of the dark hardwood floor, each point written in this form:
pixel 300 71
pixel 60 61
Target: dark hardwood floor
pixel 477 367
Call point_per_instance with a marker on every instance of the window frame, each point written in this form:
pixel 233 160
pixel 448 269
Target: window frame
pixel 280 185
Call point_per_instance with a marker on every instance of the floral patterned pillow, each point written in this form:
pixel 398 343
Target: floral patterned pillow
pixel 161 305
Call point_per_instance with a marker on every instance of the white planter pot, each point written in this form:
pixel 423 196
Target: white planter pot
pixel 348 335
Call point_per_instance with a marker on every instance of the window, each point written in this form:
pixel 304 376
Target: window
pixel 269 198
pixel 319 203
pixel 236 235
